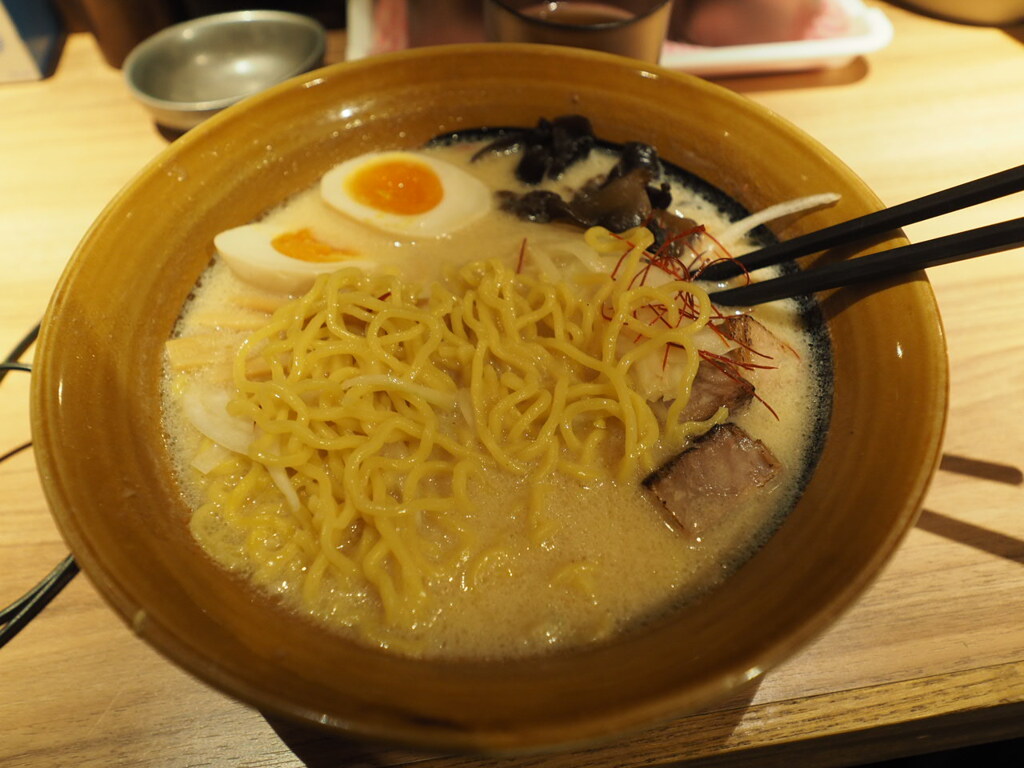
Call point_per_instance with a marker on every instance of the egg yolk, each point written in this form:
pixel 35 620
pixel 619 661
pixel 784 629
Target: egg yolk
pixel 303 246
pixel 401 186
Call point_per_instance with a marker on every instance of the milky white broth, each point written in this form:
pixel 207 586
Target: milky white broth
pixel 633 562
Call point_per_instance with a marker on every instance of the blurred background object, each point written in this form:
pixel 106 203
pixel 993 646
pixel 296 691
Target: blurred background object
pixel 839 32
pixel 330 13
pixel 742 22
pixel 120 25
pixel 445 21
pixel 996 13
pixel 29 38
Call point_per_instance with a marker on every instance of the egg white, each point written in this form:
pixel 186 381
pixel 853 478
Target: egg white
pixel 249 253
pixel 465 198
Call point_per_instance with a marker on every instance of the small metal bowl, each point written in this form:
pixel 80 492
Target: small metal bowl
pixel 188 72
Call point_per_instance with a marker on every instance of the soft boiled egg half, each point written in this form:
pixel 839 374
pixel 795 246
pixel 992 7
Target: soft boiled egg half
pixel 405 193
pixel 281 259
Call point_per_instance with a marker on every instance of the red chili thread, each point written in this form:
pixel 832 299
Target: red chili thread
pixel 664 357
pixel 673 266
pixel 622 258
pixel 728 366
pixel 642 275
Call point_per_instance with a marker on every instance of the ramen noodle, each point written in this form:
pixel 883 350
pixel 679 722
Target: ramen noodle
pixel 437 444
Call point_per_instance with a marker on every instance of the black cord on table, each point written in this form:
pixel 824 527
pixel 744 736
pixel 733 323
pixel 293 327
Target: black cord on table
pixel 14 617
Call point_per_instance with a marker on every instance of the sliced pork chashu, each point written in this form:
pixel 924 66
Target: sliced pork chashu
pixel 731 380
pixel 699 486
pixel 756 345
pixel 716 385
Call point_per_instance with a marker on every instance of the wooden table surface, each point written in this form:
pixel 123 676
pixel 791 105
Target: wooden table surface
pixel 932 656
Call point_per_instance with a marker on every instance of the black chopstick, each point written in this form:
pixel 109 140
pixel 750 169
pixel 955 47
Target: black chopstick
pixel 927 207
pixel 874 266
pixel 18 614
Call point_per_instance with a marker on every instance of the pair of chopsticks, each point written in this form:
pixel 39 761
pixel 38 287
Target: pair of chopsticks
pixel 875 266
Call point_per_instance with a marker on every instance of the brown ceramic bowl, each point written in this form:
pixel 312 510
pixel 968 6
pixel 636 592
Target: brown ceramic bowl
pixel 96 407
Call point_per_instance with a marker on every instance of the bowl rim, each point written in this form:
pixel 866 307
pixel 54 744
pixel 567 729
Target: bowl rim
pixel 154 42
pixel 168 639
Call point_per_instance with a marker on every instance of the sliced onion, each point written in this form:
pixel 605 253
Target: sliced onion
pixel 280 478
pixel 738 229
pixel 210 457
pixel 207 411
